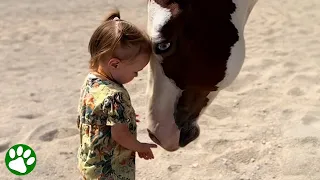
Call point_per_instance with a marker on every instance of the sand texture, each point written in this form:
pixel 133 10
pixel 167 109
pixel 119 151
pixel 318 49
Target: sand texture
pixel 265 126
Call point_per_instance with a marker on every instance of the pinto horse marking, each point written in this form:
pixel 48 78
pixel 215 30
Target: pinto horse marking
pixel 199 50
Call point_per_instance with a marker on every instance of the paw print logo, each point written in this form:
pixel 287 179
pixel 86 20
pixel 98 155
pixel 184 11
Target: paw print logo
pixel 20 159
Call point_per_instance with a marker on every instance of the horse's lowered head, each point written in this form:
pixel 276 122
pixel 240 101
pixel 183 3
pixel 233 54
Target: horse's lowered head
pixel 199 49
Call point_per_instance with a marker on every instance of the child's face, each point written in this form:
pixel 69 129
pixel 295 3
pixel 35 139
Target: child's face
pixel 126 70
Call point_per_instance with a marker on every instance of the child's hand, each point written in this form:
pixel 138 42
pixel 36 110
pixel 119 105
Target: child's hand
pixel 145 151
pixel 145 156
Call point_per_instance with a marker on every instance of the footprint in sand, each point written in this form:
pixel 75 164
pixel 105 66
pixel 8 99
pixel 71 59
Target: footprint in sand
pixel 287 113
pixel 35 98
pixel 304 79
pixel 280 53
pixel 296 91
pixel 241 81
pixel 309 119
pixel 174 167
pixel 303 142
pixel 218 145
pixel 312 119
pixel 287 73
pixel 267 64
pixel 219 112
pixel 300 161
pixel 29 116
pixel 307 141
pixel 245 155
pixel 290 65
pixel 4 146
pixel 58 134
pixel 47 133
pixel 67 155
pixel 231 160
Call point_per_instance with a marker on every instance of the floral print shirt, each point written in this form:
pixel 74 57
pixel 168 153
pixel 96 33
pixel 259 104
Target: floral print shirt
pixel 102 104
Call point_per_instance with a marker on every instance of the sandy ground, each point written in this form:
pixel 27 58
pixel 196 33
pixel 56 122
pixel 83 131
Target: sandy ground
pixel 265 126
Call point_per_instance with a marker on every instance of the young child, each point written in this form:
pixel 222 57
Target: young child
pixel 107 121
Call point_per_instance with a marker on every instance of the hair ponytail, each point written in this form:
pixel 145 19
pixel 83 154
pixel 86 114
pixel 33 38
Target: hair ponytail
pixel 113 15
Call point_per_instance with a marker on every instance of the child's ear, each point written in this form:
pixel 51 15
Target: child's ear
pixel 114 63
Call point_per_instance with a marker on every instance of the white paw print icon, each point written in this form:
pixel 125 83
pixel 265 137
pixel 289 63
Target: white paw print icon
pixel 20 160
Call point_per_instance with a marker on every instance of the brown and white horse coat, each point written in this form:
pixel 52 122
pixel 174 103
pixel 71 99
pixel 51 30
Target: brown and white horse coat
pixel 199 49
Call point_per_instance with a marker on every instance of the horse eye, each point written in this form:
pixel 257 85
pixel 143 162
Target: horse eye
pixel 163 46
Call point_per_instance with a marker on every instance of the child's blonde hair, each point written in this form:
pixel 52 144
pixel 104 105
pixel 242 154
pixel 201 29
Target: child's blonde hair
pixel 116 38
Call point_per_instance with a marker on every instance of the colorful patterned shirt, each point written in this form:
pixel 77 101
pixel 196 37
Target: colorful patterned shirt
pixel 104 103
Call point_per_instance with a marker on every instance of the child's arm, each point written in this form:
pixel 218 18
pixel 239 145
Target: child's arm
pixel 121 134
pixel 114 106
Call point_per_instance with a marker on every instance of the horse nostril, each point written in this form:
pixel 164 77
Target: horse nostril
pixel 188 135
pixel 153 137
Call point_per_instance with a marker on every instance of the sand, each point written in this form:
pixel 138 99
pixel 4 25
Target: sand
pixel 265 126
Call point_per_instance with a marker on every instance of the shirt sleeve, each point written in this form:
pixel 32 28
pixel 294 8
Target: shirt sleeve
pixel 115 107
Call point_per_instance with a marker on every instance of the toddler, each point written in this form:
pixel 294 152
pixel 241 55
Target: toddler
pixel 107 121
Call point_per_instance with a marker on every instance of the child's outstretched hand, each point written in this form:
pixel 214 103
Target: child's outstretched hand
pixel 145 151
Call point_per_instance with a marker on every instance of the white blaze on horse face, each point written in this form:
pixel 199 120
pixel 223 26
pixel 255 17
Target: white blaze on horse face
pixel 162 92
pixel 157 18
pixel 162 95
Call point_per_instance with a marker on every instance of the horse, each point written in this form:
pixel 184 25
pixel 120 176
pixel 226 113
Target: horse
pixel 199 49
